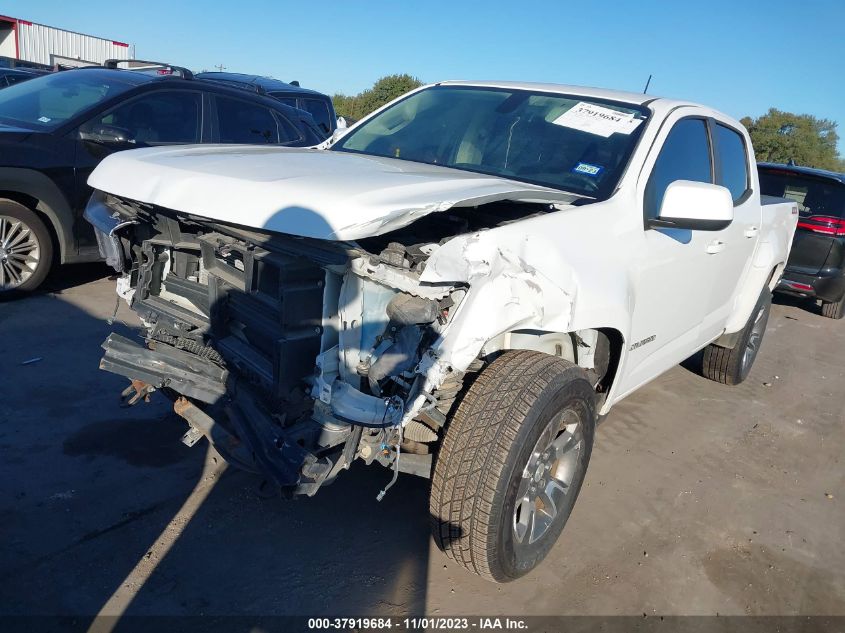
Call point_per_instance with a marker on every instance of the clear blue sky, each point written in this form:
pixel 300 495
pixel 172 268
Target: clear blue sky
pixel 740 56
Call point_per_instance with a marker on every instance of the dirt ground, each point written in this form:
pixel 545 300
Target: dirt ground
pixel 700 498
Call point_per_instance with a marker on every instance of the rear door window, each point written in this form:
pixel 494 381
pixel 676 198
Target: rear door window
pixel 685 155
pixel 732 160
pixel 243 122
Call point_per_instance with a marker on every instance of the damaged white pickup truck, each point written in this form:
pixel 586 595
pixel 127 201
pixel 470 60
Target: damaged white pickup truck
pixel 457 288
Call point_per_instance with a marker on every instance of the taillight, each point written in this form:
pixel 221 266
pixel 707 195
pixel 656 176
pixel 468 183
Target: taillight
pixel 165 71
pixel 824 224
pixel 797 285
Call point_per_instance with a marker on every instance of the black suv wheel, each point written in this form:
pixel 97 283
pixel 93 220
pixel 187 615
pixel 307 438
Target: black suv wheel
pixel 834 309
pixel 26 250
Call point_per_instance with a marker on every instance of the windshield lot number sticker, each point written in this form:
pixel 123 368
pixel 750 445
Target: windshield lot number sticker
pixel 588 170
pixel 595 119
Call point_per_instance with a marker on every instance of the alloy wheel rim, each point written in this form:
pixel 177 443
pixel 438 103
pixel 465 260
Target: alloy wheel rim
pixel 20 252
pixel 548 478
pixel 754 339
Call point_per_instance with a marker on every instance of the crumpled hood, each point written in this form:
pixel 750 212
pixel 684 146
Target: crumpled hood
pixel 309 192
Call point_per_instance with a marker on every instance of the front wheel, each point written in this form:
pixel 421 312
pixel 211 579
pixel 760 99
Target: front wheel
pixel 732 366
pixel 26 250
pixel 511 464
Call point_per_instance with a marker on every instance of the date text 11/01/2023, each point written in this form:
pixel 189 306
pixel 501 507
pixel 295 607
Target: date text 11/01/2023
pixel 415 624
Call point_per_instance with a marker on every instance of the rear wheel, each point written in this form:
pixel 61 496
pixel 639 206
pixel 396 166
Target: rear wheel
pixel 26 250
pixel 511 464
pixel 834 309
pixel 732 366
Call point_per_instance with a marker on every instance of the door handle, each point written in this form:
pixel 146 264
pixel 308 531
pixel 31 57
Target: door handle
pixel 752 231
pixel 716 246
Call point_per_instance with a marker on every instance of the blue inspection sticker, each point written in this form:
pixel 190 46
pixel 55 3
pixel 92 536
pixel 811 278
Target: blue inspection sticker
pixel 588 170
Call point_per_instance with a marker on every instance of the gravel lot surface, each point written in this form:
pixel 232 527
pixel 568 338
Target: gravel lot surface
pixel 700 498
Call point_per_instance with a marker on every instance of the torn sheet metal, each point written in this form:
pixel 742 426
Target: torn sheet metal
pixel 506 292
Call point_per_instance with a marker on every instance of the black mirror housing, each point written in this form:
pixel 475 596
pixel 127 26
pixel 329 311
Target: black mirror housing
pixel 688 223
pixel 106 135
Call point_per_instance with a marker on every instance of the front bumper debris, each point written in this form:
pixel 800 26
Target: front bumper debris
pixel 165 366
pixel 106 223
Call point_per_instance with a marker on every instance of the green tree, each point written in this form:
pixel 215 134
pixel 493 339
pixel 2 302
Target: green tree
pixel 783 136
pixel 383 91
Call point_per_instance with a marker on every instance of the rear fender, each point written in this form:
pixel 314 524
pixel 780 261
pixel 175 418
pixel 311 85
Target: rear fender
pixel 766 268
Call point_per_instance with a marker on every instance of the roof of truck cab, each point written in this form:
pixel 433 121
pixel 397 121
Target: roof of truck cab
pixel 585 91
pixel 807 171
pixel 661 106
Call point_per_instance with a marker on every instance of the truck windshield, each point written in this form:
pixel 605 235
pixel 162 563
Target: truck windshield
pixel 46 102
pixel 815 196
pixel 576 144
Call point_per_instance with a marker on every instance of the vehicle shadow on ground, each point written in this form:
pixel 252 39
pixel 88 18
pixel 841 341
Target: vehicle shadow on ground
pixel 339 553
pixel 63 278
pixel 91 491
pixel 66 277
pixel 808 305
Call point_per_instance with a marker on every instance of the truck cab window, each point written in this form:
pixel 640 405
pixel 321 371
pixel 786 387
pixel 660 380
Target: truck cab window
pixel 733 161
pixel 685 155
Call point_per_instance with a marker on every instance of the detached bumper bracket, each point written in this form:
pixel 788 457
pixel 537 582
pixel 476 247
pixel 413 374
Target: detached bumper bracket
pixel 165 366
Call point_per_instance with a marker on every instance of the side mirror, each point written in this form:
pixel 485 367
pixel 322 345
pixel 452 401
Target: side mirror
pixel 698 206
pixel 106 135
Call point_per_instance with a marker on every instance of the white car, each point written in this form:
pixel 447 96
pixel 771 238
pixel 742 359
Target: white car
pixel 458 287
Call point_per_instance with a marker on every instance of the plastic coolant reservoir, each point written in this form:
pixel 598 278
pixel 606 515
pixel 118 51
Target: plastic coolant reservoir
pixel 374 318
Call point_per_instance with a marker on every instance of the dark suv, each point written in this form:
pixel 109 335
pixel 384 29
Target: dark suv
pixel 12 76
pixel 292 94
pixel 55 129
pixel 816 266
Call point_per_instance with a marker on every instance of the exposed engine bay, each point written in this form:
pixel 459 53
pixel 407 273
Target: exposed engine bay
pixel 295 356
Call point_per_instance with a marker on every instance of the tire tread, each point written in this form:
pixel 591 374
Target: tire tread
pixel 723 364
